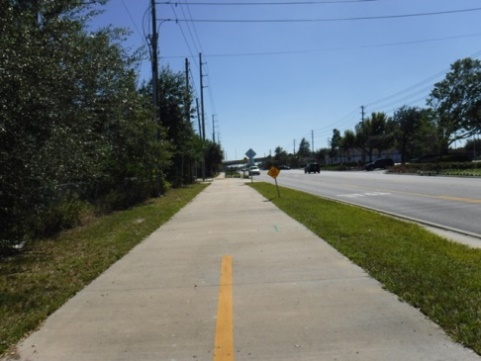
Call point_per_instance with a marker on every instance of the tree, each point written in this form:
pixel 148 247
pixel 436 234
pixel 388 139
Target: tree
pixel 41 50
pixel 473 147
pixel 321 155
pixel 72 123
pixel 362 130
pixel 180 132
pixel 304 149
pixel 374 134
pixel 335 143
pixel 280 156
pixel 348 142
pixel 408 129
pixel 457 99
pixel 174 105
pixel 213 158
pixel 380 135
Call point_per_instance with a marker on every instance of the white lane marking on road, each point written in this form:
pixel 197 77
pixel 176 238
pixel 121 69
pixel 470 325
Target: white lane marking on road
pixel 367 194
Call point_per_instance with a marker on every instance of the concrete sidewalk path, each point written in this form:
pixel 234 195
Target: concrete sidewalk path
pixel 232 277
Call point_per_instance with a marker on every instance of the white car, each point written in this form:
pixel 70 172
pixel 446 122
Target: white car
pixel 254 170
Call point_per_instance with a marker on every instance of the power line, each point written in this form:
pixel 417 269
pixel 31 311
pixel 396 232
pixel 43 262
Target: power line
pixel 196 43
pixel 195 29
pixel 391 101
pixel 265 3
pixel 380 17
pixel 307 51
pixel 189 26
pixel 406 94
pixel 412 87
pixel 133 21
pixel 407 97
pixel 408 89
pixel 185 38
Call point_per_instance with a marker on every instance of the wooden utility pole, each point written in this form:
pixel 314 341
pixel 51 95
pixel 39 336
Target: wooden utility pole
pixel 187 92
pixel 363 135
pixel 202 96
pixel 312 138
pixel 198 117
pixel 155 86
pixel 155 67
pixel 213 128
pixel 202 114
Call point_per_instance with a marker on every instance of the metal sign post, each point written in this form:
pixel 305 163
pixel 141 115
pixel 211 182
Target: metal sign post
pixel 274 172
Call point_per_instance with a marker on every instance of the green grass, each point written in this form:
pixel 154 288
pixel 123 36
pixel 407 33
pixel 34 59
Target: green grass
pixel 232 174
pixel 463 172
pixel 34 283
pixel 441 278
pixel 472 169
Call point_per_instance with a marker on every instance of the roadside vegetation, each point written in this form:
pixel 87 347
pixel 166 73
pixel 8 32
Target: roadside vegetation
pixel 463 172
pixel 232 173
pixel 466 169
pixel 78 132
pixel 441 278
pixel 410 133
pixel 37 281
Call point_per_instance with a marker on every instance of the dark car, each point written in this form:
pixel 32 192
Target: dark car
pixel 381 163
pixel 312 168
pixel 283 166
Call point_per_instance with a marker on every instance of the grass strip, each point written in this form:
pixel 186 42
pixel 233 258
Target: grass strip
pixel 36 282
pixel 463 172
pixel 441 278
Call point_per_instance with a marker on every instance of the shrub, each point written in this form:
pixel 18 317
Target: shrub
pixel 67 213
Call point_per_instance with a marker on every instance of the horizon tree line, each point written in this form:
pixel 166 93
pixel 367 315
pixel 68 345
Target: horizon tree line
pixel 453 113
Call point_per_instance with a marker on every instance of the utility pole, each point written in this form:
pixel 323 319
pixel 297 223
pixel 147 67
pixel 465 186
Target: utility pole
pixel 155 67
pixel 363 135
pixel 187 92
pixel 155 86
pixel 312 137
pixel 213 128
pixel 202 96
pixel 203 115
pixel 198 117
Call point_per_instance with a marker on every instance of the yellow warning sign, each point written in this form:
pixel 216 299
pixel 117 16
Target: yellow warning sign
pixel 273 172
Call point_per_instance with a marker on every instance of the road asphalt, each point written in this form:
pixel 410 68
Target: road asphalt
pixel 232 277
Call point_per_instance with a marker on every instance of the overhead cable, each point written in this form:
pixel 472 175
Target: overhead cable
pixel 260 3
pixel 380 17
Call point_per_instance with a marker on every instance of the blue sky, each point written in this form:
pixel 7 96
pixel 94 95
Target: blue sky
pixel 273 83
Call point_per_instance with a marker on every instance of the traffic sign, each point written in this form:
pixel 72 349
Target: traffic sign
pixel 250 153
pixel 273 172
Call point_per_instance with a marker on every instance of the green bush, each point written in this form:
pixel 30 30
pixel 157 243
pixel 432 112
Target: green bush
pixel 440 167
pixel 67 213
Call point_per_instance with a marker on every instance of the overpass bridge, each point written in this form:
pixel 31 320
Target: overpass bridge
pixel 231 163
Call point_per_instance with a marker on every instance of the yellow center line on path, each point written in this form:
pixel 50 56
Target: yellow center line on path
pixel 224 332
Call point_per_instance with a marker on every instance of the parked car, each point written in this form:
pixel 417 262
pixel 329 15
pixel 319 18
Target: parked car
pixel 254 170
pixel 312 168
pixel 381 163
pixel 283 166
